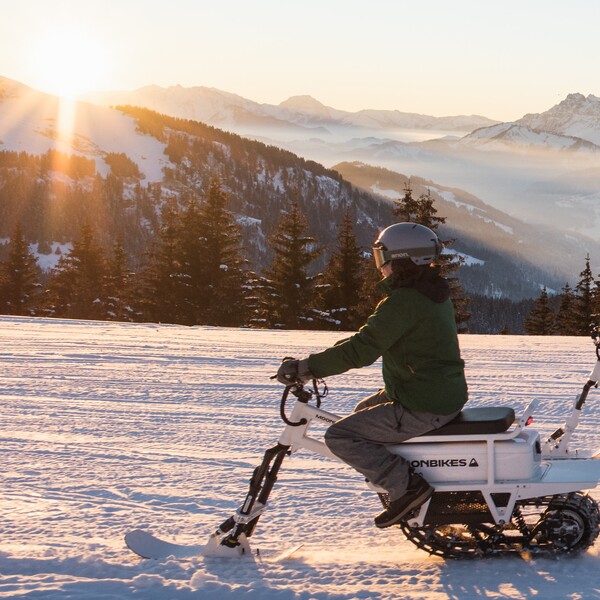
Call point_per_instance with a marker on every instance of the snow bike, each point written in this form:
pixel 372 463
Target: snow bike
pixel 499 488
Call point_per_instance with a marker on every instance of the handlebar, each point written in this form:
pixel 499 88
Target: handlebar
pixel 303 394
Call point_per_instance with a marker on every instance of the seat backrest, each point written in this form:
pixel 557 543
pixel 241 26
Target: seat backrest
pixel 477 420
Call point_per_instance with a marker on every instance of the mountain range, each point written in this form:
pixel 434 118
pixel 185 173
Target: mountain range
pixel 176 155
pixel 542 168
pixel 295 118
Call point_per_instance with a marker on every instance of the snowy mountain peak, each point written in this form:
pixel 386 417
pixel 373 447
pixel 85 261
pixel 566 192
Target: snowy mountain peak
pixel 573 101
pixel 573 123
pixel 576 97
pixel 577 116
pixel 309 107
pixel 303 102
pixel 576 104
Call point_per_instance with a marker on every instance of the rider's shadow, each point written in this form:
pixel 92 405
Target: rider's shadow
pixel 511 577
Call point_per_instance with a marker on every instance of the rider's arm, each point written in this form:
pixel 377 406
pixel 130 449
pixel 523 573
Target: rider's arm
pixel 383 328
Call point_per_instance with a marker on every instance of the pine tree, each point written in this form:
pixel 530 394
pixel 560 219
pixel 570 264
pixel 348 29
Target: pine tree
pixel 191 279
pixel 342 281
pixel 406 208
pixel 424 212
pixel 596 302
pixel 159 289
pixel 493 315
pixel 289 298
pixel 540 320
pixel 222 291
pixel 75 289
pixel 195 273
pixel 258 289
pixel 117 286
pixel 565 322
pixel 583 305
pixel 19 277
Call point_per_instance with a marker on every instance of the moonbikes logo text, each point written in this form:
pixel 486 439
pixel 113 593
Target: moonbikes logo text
pixel 324 419
pixel 444 462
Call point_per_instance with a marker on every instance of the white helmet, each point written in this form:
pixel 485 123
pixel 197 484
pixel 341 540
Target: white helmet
pixel 407 240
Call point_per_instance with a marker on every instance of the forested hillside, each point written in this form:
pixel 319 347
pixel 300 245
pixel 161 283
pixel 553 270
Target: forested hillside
pixel 514 259
pixel 58 201
pixel 53 195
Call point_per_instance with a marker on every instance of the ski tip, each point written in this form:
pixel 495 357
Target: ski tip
pixel 147 545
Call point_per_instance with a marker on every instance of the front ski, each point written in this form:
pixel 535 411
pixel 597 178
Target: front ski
pixel 146 545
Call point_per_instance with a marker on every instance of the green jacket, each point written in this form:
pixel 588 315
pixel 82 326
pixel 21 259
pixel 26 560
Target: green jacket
pixel 417 340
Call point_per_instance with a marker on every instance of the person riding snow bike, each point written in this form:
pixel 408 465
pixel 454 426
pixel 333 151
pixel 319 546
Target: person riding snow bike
pixel 413 330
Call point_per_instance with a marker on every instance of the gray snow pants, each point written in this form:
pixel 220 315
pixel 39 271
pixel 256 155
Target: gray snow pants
pixel 360 439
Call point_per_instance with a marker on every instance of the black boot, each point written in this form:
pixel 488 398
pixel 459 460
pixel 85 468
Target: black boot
pixel 417 493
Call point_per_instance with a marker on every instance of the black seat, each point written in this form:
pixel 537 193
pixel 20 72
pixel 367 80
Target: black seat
pixel 480 419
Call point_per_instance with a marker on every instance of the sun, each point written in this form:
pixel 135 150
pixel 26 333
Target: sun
pixel 69 62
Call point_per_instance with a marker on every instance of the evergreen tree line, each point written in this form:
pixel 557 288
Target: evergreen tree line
pixel 195 273
pixel 572 312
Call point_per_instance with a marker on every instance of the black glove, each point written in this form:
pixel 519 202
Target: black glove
pixel 293 371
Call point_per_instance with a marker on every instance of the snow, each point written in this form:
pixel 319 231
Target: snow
pixel 521 138
pixel 468 260
pixel 35 125
pixel 107 427
pixel 451 197
pixel 47 262
pixel 386 193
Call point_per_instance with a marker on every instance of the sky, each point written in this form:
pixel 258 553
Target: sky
pixel 435 57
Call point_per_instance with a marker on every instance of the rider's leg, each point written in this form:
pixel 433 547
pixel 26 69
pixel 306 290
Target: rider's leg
pixel 379 397
pixel 360 439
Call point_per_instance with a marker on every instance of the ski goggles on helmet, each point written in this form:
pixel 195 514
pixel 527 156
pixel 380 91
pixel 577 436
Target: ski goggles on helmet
pixel 379 256
pixel 383 255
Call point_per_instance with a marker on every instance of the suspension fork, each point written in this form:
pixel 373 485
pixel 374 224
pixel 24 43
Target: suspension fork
pixel 261 484
pixel 244 521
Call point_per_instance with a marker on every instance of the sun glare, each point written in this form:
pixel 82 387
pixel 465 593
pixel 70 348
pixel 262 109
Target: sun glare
pixel 69 63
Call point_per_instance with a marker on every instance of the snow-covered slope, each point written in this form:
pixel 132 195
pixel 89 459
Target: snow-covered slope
pixel 108 427
pixel 521 138
pixel 34 122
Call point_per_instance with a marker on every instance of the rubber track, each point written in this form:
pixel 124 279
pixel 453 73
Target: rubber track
pixel 542 539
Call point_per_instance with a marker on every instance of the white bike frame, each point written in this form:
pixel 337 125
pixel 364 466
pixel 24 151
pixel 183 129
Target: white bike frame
pixel 511 466
pixel 559 470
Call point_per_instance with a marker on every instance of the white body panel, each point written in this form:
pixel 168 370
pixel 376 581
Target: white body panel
pixel 516 459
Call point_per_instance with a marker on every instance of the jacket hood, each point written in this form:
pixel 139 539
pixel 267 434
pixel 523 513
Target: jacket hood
pixel 428 282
